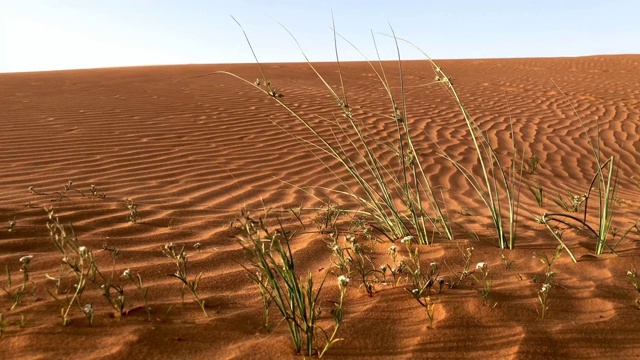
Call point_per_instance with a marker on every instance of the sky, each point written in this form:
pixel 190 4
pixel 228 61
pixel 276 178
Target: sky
pixel 38 35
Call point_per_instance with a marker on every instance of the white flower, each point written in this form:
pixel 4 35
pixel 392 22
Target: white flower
pixel 629 273
pixel 415 292
pixel 407 239
pixel 126 274
pixel 545 288
pixel 197 246
pixel 25 260
pixel 481 265
pixel 343 281
pixel 383 268
pixel 83 251
pixel 88 309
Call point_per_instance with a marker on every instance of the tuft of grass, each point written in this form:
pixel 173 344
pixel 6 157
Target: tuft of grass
pixel 393 190
pixel 272 269
pixel 495 178
pixel 605 181
pixel 181 261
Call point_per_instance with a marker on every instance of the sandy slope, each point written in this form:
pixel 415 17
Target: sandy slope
pixel 191 151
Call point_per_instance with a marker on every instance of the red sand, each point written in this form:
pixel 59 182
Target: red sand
pixel 192 151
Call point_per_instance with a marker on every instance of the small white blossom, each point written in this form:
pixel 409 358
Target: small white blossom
pixel 88 309
pixel 83 251
pixel 545 288
pixel 481 265
pixel 343 281
pixel 630 273
pixel 126 274
pixel 407 240
pixel 25 260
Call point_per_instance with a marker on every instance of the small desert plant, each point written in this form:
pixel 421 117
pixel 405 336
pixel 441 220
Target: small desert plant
pixel 144 292
pixel 543 293
pixel 327 219
pixel 181 261
pixel 95 193
pixel 633 279
pixel 76 259
pixel 117 300
pixel 508 264
pixel 297 299
pixel 536 190
pixel 12 225
pixel 456 278
pixel 87 310
pixel 134 215
pixel 572 204
pixel 607 187
pixel 542 297
pixel 353 258
pixel 58 195
pixel 486 282
pixel 548 262
pixel 16 295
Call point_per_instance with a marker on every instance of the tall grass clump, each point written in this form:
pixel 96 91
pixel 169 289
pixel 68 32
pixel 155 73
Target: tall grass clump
pixel 391 189
pixel 605 183
pixel 496 186
pixel 272 269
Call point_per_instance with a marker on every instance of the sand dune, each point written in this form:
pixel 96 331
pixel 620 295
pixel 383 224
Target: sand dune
pixel 192 151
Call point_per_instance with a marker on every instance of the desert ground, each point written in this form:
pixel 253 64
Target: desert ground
pixel 193 151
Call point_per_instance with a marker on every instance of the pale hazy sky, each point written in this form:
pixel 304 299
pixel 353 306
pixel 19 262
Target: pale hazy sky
pixel 67 34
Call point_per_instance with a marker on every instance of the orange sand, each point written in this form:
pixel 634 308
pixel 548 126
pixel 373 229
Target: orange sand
pixel 192 151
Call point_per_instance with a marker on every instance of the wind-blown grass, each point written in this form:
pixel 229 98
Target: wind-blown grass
pixel 400 201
